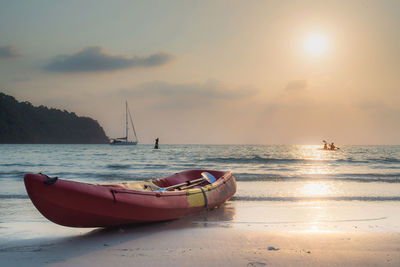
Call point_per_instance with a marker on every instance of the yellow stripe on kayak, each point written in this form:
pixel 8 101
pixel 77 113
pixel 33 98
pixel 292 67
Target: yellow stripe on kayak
pixel 195 197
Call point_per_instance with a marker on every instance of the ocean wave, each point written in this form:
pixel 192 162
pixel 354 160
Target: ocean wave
pixel 14 196
pixel 155 166
pixel 384 160
pixel 364 177
pixel 26 164
pixel 265 160
pixel 119 166
pixel 137 166
pixel 16 164
pixel 12 174
pixel 317 198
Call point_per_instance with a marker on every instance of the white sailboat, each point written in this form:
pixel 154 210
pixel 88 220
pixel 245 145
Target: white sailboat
pixel 121 141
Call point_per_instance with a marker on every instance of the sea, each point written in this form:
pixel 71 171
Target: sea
pixel 264 173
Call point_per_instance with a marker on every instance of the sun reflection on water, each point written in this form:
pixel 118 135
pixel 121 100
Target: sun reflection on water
pixel 313 189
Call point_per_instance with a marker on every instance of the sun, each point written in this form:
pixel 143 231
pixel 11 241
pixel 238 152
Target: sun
pixel 315 44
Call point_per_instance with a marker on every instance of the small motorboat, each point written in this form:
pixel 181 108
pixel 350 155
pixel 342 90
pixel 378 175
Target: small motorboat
pixel 77 204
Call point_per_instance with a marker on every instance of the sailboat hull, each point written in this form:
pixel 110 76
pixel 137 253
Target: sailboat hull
pixel 124 144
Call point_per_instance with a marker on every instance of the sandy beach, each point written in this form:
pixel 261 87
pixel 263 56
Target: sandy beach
pixel 236 234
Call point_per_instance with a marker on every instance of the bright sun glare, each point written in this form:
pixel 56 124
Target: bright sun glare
pixel 315 44
pixel 313 189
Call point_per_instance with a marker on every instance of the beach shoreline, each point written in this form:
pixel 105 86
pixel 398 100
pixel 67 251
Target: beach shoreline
pixel 235 234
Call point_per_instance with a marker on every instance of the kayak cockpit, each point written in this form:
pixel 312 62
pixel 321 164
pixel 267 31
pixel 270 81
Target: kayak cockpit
pixel 170 181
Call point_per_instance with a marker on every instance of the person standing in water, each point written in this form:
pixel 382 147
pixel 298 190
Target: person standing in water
pixel 156 144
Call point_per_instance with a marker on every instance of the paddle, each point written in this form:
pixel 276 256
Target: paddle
pixel 205 176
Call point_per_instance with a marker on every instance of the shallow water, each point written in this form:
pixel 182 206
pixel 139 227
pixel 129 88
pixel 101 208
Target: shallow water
pixel 286 165
pixel 287 177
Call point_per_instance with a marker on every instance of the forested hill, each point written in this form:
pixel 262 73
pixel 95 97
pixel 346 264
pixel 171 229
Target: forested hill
pixel 22 123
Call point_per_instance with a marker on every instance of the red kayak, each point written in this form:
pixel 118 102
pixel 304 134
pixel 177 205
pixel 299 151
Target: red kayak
pixel 77 204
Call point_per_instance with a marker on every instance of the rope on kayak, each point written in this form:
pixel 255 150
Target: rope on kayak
pixel 144 193
pixel 50 180
pixel 205 197
pixel 113 194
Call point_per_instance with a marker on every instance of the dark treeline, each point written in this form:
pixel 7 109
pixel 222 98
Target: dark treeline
pixel 22 123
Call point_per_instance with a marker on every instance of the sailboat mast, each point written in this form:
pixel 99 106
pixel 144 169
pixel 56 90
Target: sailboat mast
pixel 126 119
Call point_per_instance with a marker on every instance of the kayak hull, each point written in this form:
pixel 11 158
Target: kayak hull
pixel 77 204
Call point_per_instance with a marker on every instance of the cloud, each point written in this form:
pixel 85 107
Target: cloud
pixel 209 90
pixel 95 58
pixel 296 85
pixel 8 51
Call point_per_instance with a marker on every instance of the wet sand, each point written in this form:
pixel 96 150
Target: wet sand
pixel 236 234
pixel 227 247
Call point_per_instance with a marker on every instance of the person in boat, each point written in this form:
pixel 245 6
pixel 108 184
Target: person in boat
pixel 156 144
pixel 332 146
pixel 325 146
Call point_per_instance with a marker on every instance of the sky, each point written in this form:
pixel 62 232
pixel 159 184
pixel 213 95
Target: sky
pixel 211 72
